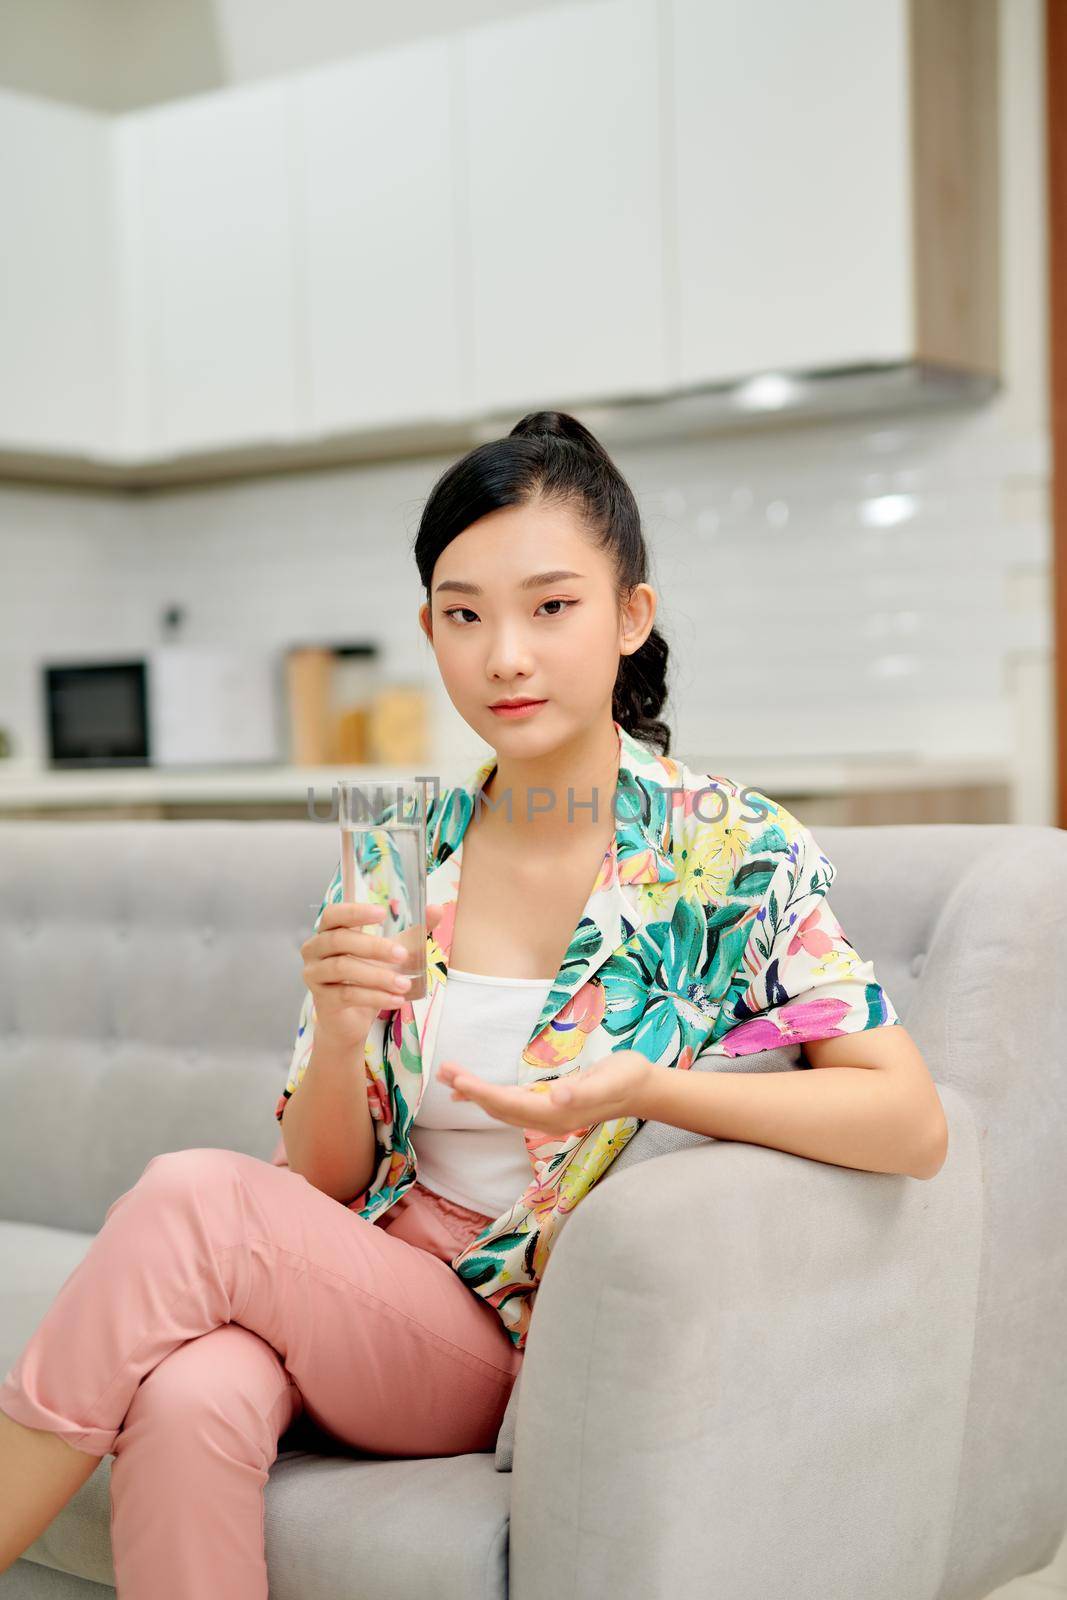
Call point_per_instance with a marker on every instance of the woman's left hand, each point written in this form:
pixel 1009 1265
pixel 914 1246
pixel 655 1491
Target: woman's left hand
pixel 612 1087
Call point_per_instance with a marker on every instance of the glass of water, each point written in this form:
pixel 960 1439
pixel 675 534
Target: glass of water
pixel 383 862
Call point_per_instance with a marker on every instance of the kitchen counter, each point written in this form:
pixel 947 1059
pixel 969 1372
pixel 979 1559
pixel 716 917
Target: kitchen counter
pixel 172 785
pixel 971 789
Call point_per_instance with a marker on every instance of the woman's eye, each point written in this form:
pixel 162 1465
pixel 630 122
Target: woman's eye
pixel 456 611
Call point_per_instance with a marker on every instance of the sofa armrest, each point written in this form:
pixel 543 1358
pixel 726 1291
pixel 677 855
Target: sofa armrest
pixel 747 1374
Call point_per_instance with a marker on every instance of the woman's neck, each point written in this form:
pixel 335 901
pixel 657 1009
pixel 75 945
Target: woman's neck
pixel 560 799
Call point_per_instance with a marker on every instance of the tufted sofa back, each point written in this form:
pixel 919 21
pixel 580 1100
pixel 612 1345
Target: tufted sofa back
pixel 150 984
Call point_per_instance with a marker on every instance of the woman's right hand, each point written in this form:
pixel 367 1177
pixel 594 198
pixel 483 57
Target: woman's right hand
pixel 352 974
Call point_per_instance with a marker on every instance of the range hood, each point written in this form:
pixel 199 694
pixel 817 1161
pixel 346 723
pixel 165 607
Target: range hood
pixel 706 411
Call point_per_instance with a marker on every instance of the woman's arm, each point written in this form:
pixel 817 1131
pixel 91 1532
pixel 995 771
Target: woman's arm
pixel 327 1124
pixel 878 1110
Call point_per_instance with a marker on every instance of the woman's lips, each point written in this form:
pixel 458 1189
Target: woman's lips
pixel 526 710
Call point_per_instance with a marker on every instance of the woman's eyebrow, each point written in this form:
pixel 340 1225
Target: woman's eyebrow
pixel 536 581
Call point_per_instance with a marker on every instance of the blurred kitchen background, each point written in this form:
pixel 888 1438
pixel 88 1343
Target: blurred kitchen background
pixel 266 269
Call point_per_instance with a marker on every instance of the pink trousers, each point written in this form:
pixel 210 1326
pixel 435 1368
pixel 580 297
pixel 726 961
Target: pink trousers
pixel 223 1297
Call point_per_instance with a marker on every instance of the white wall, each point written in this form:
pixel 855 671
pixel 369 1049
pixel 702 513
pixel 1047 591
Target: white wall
pixel 118 55
pixel 800 622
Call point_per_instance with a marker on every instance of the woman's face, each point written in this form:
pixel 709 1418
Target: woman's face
pixel 558 640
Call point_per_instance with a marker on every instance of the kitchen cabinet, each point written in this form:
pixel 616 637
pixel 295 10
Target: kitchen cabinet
pixel 58 310
pixel 376 220
pixel 631 205
pixel 562 162
pixel 835 184
pixel 214 277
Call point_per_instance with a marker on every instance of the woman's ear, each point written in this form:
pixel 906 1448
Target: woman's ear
pixel 426 621
pixel 638 616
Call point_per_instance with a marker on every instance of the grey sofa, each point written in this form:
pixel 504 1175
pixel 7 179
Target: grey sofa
pixel 749 1374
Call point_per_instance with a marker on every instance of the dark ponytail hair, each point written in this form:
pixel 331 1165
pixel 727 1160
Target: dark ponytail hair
pixel 551 455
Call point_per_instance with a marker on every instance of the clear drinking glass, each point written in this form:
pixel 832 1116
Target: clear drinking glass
pixel 383 861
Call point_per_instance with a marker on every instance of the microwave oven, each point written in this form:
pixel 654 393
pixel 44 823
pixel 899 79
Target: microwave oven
pixel 177 705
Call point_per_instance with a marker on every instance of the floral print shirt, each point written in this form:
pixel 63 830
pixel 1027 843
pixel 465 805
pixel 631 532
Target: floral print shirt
pixel 707 932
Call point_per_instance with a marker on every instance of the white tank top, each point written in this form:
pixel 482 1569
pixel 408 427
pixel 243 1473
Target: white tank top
pixel 461 1151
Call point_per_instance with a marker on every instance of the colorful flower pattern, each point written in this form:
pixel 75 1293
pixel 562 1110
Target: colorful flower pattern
pixel 707 932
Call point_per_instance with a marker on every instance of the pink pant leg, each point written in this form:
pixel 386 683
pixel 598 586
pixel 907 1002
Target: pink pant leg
pixel 191 1462
pixel 386 1347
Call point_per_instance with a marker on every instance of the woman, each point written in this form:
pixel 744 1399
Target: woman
pixel 621 918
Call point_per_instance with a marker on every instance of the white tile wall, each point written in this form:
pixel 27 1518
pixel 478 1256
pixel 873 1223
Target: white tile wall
pixel 843 589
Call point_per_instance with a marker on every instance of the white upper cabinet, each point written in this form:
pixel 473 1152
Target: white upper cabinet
pixel 215 283
pixel 376 222
pixel 565 237
pixel 592 202
pixel 791 160
pixel 58 308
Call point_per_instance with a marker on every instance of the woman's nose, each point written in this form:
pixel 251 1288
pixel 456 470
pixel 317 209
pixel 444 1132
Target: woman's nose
pixel 508 658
